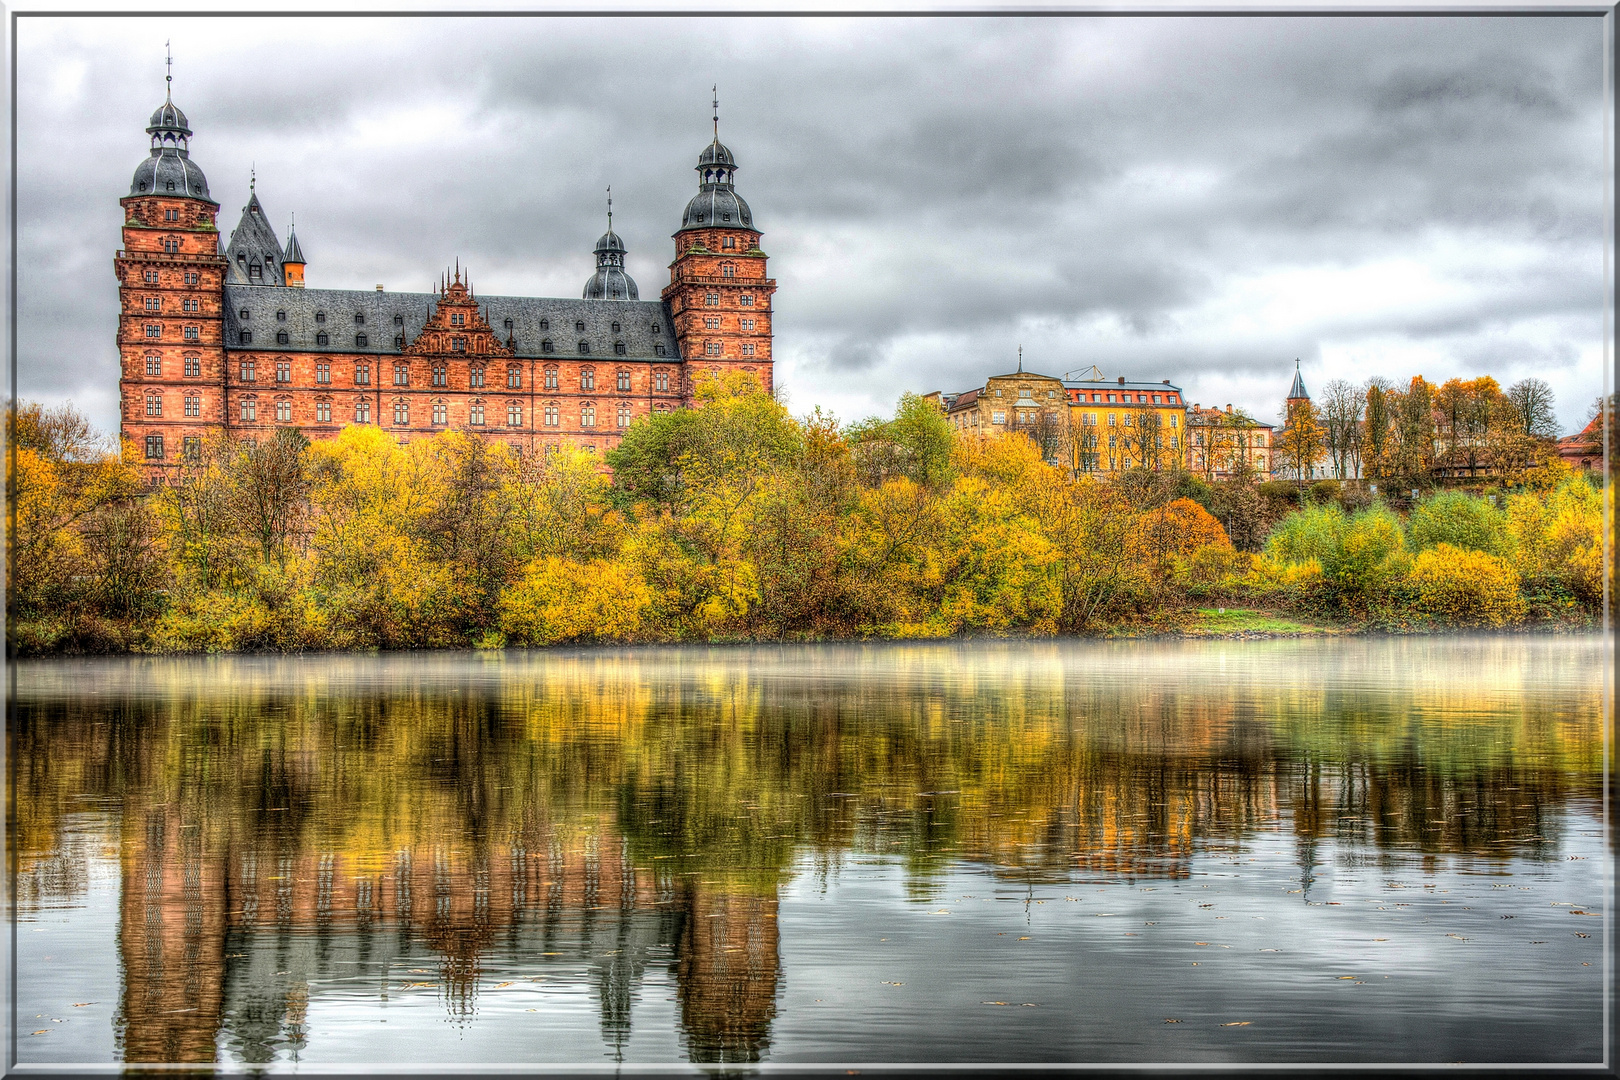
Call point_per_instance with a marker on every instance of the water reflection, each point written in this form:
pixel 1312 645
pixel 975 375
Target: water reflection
pixel 287 821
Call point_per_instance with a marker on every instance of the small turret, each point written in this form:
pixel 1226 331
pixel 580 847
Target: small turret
pixel 292 261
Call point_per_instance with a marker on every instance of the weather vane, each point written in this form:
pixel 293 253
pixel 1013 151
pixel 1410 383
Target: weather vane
pixel 610 208
pixel 168 62
pixel 717 112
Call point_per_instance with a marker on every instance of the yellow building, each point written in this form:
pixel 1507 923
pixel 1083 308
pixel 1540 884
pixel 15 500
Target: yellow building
pixel 1118 424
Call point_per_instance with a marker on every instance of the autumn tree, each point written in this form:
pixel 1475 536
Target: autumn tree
pixel 1342 409
pixel 1377 437
pixel 1532 402
pixel 1299 445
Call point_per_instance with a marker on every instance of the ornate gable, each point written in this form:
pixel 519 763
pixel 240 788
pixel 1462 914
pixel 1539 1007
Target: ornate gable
pixel 457 327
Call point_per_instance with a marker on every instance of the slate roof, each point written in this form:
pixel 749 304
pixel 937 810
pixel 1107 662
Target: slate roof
pixel 169 169
pixel 1298 389
pixel 294 253
pixel 1103 385
pixel 253 240
pixel 636 319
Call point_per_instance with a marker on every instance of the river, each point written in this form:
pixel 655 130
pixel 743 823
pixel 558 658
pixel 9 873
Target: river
pixel 1316 850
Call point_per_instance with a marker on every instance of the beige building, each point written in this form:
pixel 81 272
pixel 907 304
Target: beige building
pixel 1022 401
pixel 1223 443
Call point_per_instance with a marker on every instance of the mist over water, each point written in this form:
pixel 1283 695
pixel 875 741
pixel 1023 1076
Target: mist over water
pixel 1294 851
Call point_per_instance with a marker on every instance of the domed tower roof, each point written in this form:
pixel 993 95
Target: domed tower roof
pixel 169 169
pixel 717 203
pixel 610 282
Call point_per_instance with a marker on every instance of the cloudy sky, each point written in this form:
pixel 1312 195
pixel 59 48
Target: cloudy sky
pixel 1198 199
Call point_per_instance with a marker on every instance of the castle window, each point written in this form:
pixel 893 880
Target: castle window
pixel 282 338
pixel 712 300
pixel 150 277
pixel 154 447
pixel 514 377
pixel 587 415
pixel 618 347
pixel 281 316
pixel 623 380
pixel 748 348
pixel 746 324
pixel 545 346
pixel 250 410
pixel 624 414
pixel 579 327
pixel 192 277
pixel 283 412
pixel 171 215
pixel 661 380
pixel 507 323
pixel 362 411
pixel 711 348
pixel 244 315
pixel 728 243
pixel 1175 421
pixel 246 371
pixel 458 318
pixel 553 414
pixel 322 339
pixel 514 414
pixel 399 320
pixel 711 324
pixel 323 412
pixel 551 378
pixel 194 367
pixel 584 348
pixel 191 448
pixel 728 270
pixel 360 341
pixel 458 344
pixel 193 404
pixel 323 371
pixel 441 413
pixel 362 374
pixel 745 300
pixel 587 379
pixel 359 319
pixel 254 273
pixel 658 350
pixel 171 245
pixel 615 328
pixel 441 376
pixel 154 364
pixel 545 324
pixel 191 305
pixel 170 185
pixel 656 329
pixel 402 375
pixel 475 413
pixel 320 316
pixel 154 405
pixel 726 216
pixel 153 304
pixel 1111 419
pixel 475 377
pixel 283 371
pixel 245 337
pixel 153 330
pixel 402 413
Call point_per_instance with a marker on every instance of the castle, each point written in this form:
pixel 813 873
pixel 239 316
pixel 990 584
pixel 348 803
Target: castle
pixel 219 337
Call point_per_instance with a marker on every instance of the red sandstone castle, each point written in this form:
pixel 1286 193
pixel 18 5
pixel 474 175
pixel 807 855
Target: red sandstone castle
pixel 226 337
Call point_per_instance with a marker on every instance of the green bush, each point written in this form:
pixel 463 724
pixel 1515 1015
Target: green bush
pixel 1461 520
pixel 1325 491
pixel 1305 535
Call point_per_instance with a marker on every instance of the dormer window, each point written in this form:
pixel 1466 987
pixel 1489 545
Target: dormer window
pixel 507 324
pixel 399 320
pixel 545 324
pixel 359 319
pixel 657 329
pixel 281 316
pixel 458 319
pixel 171 185
pixel 579 327
pixel 584 348
pixel 545 346
pixel 243 315
pixel 615 328
pixel 254 273
pixel 320 316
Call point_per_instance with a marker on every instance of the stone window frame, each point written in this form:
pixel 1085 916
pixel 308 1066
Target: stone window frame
pixel 475 412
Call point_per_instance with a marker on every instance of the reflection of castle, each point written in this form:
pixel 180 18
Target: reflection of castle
pixel 196 915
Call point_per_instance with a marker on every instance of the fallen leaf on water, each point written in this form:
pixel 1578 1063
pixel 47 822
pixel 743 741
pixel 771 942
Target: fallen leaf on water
pixel 941 911
pixel 1200 943
pixel 46 1031
pixel 531 1010
pixel 1238 1023
pixel 886 982
pixel 1583 935
pixel 1170 1021
pixel 82 1004
pixel 1023 939
pixel 1030 1005
pixel 500 985
pixel 992 1003
pixel 1346 976
pixel 417 986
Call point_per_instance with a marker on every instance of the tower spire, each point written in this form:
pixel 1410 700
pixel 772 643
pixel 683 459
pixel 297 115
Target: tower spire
pixel 716 112
pixel 1020 359
pixel 610 207
pixel 253 178
pixel 168 80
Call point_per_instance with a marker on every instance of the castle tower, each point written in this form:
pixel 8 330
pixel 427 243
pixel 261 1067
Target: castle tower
pixel 718 293
pixel 1296 393
pixel 610 282
pixel 292 261
pixel 170 291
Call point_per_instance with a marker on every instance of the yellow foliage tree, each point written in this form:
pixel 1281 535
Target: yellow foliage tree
pixel 560 599
pixel 1465 588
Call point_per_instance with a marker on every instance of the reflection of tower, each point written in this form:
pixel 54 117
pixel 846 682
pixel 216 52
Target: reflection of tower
pixel 728 966
pixel 171 936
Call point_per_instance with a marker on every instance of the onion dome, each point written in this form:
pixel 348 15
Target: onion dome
pixel 610 282
pixel 169 170
pixel 717 203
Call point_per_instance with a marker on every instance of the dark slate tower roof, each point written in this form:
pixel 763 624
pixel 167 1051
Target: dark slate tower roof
pixel 717 202
pixel 610 282
pixel 294 253
pixel 1297 391
pixel 254 253
pixel 169 170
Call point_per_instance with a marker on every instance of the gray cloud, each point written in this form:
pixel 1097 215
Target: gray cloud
pixel 1138 193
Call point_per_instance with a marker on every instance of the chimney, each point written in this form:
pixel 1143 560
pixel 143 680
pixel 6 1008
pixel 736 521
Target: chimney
pixel 1122 380
pixel 1167 382
pixel 379 288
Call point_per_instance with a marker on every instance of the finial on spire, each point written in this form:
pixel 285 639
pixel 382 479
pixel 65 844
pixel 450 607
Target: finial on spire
pixel 716 112
pixel 168 61
pixel 610 208
pixel 253 178
pixel 1020 359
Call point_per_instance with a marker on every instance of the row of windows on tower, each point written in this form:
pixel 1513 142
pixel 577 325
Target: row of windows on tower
pixel 153 277
pixel 248 369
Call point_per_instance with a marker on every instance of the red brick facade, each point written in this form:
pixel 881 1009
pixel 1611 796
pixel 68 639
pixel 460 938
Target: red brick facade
pixel 720 298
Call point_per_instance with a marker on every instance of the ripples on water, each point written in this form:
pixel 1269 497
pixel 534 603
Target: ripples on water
pixel 1363 850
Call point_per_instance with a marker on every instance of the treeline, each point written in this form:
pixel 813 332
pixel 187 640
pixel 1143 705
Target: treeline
pixel 732 520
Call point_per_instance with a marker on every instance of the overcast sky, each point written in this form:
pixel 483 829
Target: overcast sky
pixel 1198 199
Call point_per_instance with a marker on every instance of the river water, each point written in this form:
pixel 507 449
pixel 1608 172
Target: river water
pixel 1352 850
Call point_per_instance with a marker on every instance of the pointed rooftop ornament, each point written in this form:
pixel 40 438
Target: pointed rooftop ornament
pixel 1020 359
pixel 610 207
pixel 168 79
pixel 253 178
pixel 716 112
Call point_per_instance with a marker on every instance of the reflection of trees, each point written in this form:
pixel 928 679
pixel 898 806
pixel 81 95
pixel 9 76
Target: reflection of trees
pixel 651 802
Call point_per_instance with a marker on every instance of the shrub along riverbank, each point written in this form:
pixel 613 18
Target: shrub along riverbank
pixel 734 521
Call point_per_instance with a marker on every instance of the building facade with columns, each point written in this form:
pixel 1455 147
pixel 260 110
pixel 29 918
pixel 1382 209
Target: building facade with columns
pixel 217 336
